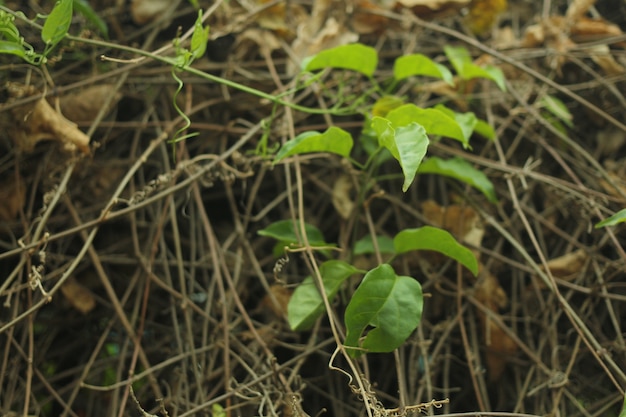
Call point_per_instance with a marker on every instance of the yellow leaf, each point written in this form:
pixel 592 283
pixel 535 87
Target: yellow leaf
pixel 483 15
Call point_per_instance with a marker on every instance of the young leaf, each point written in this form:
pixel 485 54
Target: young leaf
pixel 83 7
pixel 12 49
pixel 408 144
pixel 389 303
pixel 58 23
pixel 284 231
pixel 334 140
pixel 365 245
pixel 438 240
pixel 558 108
pixel 466 121
pixel 462 170
pixel 418 64
pixel 434 121
pixel 8 31
pixel 199 38
pixel 306 304
pixel 462 62
pixel 385 104
pixel 484 129
pixel 619 217
pixel 623 412
pixel 355 57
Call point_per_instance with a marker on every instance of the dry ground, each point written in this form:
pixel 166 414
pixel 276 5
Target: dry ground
pixel 127 263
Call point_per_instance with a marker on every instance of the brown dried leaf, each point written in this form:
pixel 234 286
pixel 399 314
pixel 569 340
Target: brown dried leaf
pixel 489 291
pixel 276 301
pixel 369 18
pixel 601 55
pixel 331 35
pixel 562 34
pixel 253 39
pixel 462 221
pixel 577 9
pixel 12 199
pixel 568 266
pixel 499 345
pixel 426 6
pixel 341 196
pixel 85 105
pixel 34 122
pixel 499 348
pixel 78 295
pixel 610 139
pixel 145 11
pixel 617 172
pixel 321 31
pixel 483 15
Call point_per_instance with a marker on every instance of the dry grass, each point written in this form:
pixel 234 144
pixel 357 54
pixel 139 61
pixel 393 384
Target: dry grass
pixel 164 258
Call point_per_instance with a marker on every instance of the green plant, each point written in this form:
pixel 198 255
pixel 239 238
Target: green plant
pixel 53 31
pixel 619 217
pixel 388 304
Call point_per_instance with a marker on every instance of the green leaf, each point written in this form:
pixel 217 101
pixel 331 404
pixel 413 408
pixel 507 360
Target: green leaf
pixel 284 231
pixel 438 240
pixel 385 104
pixel 12 49
pixel 434 121
pixel 8 30
pixel 408 144
pixel 58 23
pixel 619 217
pixel 418 64
pixel 462 170
pixel 199 38
pixel 466 121
pixel 83 7
pixel 485 130
pixel 462 62
pixel 558 109
pixel 306 304
pixel 334 140
pixel 355 57
pixel 389 303
pixel 216 409
pixel 365 245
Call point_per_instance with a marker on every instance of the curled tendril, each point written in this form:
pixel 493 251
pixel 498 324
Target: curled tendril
pixel 178 135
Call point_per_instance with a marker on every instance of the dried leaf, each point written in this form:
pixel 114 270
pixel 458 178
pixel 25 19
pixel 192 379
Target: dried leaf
pixel 483 14
pixel 38 121
pixel 84 106
pixel 369 18
pixel 568 266
pixel 331 35
pixel 610 139
pixel 422 7
pixel 341 196
pixel 577 9
pixel 12 198
pixel 78 295
pixel 276 301
pixel 462 221
pixel 601 55
pixel 253 39
pixel 145 11
pixel 321 31
pixel 499 345
pixel 499 348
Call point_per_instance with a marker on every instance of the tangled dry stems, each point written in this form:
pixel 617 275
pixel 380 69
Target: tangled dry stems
pixel 169 253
